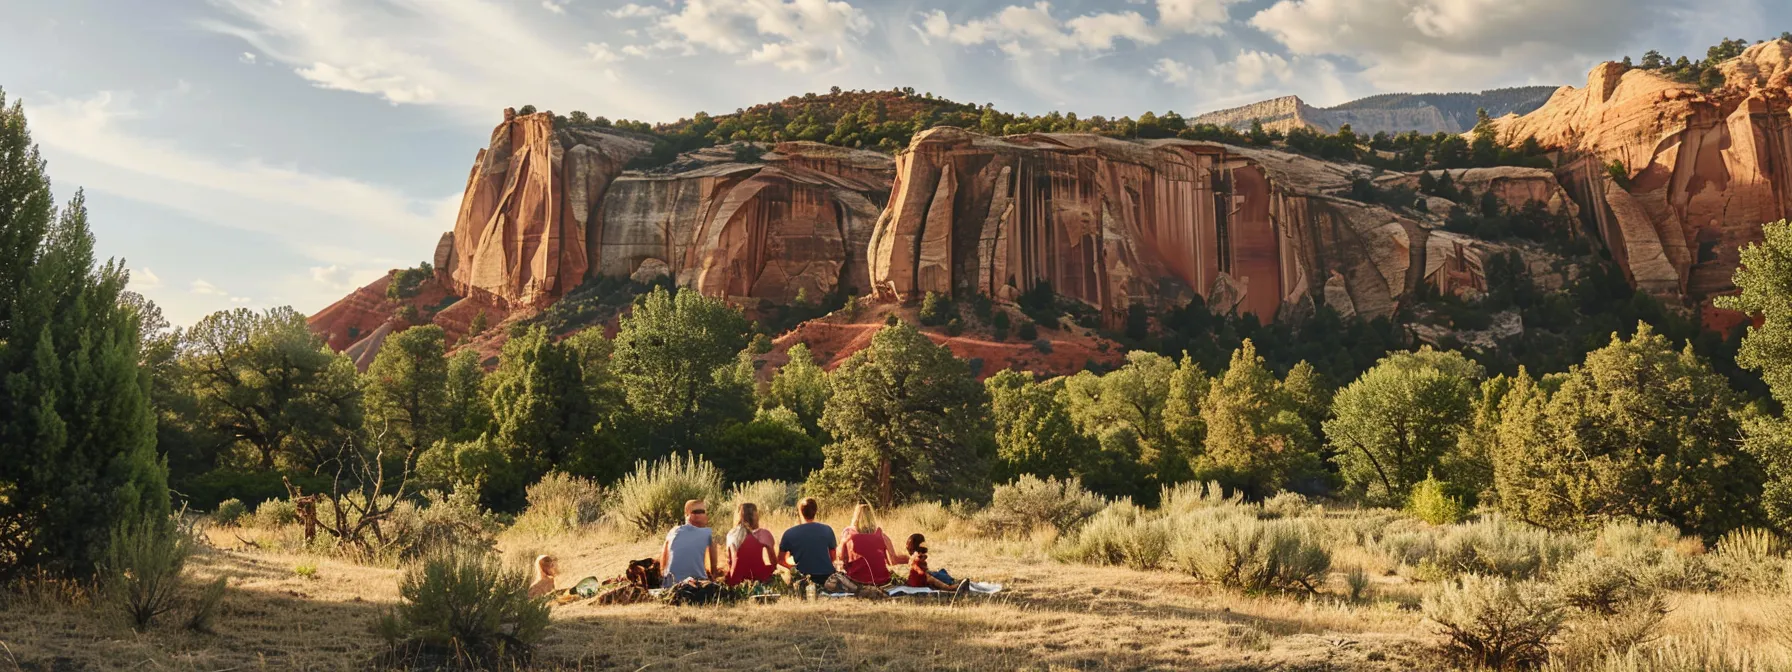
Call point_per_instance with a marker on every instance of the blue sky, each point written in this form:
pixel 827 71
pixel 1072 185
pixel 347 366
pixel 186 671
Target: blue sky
pixel 282 152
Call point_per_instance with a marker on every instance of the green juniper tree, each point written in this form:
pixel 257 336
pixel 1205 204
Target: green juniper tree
pixel 1392 427
pixel 78 434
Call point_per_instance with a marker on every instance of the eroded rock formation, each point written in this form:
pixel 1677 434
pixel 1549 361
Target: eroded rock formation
pixel 1676 180
pixel 545 209
pixel 1112 222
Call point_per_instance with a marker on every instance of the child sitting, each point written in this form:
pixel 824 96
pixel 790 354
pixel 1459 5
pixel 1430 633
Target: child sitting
pixel 546 568
pixel 918 574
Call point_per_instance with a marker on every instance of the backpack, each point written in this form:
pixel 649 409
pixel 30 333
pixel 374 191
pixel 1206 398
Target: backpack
pixel 645 573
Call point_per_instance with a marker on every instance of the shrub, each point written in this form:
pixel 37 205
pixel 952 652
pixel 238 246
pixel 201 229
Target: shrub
pixel 466 608
pixel 1286 505
pixel 1146 545
pixel 1358 581
pixel 652 498
pixel 306 570
pixel 452 520
pixel 230 512
pixel 1185 498
pixel 936 309
pixel 1244 552
pixel 1495 622
pixel 1043 346
pixel 929 516
pixel 1027 331
pixel 1488 546
pixel 1750 560
pixel 1031 502
pixel 770 495
pixel 1104 538
pixel 1603 586
pixel 1750 543
pixel 205 606
pixel 954 327
pixel 561 503
pixel 276 512
pixel 1431 503
pixel 141 573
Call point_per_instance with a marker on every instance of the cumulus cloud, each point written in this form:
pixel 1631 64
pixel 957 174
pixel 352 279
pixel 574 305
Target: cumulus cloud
pixel 205 288
pixel 601 52
pixel 1454 44
pixel 1173 71
pixel 1024 29
pixel 367 78
pixel 1253 68
pixel 553 7
pixel 144 279
pixel 791 34
pixel 248 58
pixel 634 11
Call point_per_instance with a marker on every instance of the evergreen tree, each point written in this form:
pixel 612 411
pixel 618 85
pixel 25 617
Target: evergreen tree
pixel 465 411
pixel 801 387
pixel 1636 430
pixel 1765 278
pixel 1035 433
pixel 543 419
pixel 675 357
pixel 1182 405
pixel 79 458
pixel 269 386
pixel 1131 399
pixel 1392 427
pixel 1256 441
pixel 908 419
pixel 405 395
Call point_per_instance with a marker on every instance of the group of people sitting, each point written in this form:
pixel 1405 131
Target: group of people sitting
pixel 809 550
pixel 863 551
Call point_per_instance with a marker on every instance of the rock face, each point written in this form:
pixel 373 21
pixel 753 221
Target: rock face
pixel 796 221
pixel 1675 180
pixel 523 234
pixel 1389 113
pixel 1112 223
pixel 545 209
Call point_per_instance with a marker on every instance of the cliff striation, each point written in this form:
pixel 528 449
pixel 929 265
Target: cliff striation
pixel 1112 223
pixel 1676 180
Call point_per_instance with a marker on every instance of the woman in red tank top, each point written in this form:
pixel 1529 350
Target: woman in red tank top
pixel 751 548
pixel 866 554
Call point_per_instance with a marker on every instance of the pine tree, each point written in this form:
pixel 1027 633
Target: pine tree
pixel 802 387
pixel 674 356
pixel 1257 442
pixel 79 458
pixel 406 388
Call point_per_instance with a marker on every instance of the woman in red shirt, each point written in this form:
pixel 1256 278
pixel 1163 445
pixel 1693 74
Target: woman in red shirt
pixel 867 553
pixel 751 549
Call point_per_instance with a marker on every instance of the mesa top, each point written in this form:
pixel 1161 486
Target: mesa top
pixel 809 544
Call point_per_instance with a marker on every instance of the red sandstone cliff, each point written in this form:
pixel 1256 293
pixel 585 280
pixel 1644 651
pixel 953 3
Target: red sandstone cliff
pixel 1112 222
pixel 1704 169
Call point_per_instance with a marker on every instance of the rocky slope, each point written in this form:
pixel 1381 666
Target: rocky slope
pixel 1676 180
pixel 1390 113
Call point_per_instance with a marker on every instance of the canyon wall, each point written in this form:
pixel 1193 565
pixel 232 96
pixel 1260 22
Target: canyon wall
pixel 1675 180
pixel 545 209
pixel 1112 223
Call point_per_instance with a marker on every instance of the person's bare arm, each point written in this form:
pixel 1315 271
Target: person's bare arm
pixel 713 552
pixel 895 557
pixel 665 555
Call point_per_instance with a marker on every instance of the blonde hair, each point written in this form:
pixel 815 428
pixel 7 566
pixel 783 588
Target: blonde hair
pixel 746 514
pixel 542 562
pixel 864 519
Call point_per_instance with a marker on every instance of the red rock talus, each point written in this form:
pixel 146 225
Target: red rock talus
pixel 1704 169
pixel 522 236
pixel 1112 223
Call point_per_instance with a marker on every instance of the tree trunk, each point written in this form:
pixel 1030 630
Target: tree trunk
pixel 884 497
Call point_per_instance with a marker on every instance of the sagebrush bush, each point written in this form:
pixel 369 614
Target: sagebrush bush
pixel 1245 552
pixel 1491 545
pixel 1495 622
pixel 929 516
pixel 142 575
pixel 1603 585
pixel 651 498
pixel 1358 582
pixel 230 512
pixel 276 512
pixel 1146 545
pixel 452 520
pixel 1431 503
pixel 204 612
pixel 770 496
pixel 1029 502
pixel 1287 505
pixel 1103 539
pixel 561 503
pixel 1751 559
pixel 1186 498
pixel 464 608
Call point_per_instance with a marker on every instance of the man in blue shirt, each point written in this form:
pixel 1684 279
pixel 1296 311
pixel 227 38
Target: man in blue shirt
pixel 810 543
pixel 690 550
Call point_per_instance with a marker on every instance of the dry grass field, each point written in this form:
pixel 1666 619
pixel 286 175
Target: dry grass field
pixel 282 615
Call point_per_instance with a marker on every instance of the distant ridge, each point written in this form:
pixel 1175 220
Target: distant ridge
pixel 1389 112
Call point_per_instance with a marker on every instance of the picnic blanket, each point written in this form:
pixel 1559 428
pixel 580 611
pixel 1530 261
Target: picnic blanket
pixel 974 587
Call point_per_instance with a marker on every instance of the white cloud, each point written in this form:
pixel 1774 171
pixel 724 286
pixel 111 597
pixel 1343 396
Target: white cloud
pixel 1173 71
pixel 474 56
pixel 634 11
pixel 144 279
pixel 1252 68
pixel 330 219
pixel 396 89
pixel 1458 44
pixel 553 7
pixel 600 52
pixel 248 58
pixel 1023 29
pixel 792 34
pixel 204 288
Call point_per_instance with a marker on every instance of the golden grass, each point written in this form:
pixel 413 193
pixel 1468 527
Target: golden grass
pixel 1053 616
